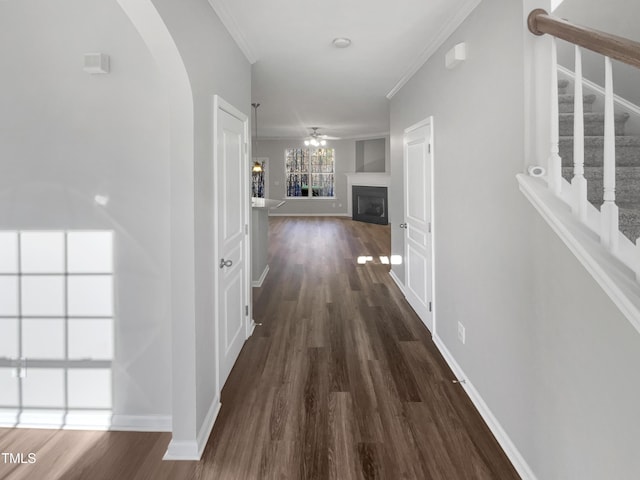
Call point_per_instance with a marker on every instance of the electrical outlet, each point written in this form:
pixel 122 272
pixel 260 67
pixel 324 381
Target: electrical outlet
pixel 461 333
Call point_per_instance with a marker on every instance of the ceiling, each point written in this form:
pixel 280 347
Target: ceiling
pixel 301 80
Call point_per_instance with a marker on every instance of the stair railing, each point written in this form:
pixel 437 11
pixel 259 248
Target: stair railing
pixel 612 47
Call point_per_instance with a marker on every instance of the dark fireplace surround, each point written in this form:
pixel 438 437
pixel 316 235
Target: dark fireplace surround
pixel 370 204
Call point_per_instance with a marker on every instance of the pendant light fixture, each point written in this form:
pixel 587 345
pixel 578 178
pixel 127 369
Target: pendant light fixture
pixel 257 166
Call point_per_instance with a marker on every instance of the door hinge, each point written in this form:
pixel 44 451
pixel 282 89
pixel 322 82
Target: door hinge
pixel 428 147
pixel 429 227
pixel 429 306
pixel 246 310
pixel 246 147
pixel 246 229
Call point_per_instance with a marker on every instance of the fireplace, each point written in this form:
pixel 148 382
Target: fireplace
pixel 370 204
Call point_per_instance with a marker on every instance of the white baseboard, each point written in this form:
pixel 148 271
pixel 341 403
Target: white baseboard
pixel 84 420
pixel 258 283
pixel 192 449
pixel 518 461
pixel 397 281
pixel 182 450
pixel 141 423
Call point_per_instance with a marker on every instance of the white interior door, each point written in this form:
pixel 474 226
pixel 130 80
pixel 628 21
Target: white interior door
pixel 232 183
pixel 417 207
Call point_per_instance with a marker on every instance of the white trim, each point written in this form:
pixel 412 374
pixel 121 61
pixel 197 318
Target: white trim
pixel 182 450
pixel 397 281
pixel 617 281
pixel 445 32
pixel 422 123
pixel 309 214
pixel 232 27
pixel 84 420
pixel 258 283
pixel 207 425
pixel 371 179
pixel 192 449
pixel 512 452
pixel 141 423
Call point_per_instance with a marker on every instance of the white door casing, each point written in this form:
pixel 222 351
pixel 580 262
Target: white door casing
pixel 418 174
pixel 231 218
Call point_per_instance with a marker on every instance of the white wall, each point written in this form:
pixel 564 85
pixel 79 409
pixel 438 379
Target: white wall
pixel 550 355
pixel 345 154
pixel 66 136
pixel 618 17
pixel 371 155
pixel 215 65
pixel 585 422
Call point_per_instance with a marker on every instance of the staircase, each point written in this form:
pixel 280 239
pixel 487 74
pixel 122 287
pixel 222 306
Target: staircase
pixel 627 158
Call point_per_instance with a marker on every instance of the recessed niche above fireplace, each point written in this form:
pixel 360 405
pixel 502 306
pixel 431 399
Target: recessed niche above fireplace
pixel 370 204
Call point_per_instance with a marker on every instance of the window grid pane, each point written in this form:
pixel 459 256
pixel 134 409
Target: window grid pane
pixel 320 162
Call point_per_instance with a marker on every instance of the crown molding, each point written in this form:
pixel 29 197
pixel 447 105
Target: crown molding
pixel 444 33
pixel 234 30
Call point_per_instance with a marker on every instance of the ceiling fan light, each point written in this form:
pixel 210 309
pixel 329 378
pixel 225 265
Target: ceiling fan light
pixel 323 142
pixel 306 142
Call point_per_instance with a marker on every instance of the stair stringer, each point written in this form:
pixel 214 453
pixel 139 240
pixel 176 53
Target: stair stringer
pixel 614 273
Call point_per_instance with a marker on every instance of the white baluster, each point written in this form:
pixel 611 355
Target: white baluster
pixel 609 209
pixel 578 182
pixel 554 178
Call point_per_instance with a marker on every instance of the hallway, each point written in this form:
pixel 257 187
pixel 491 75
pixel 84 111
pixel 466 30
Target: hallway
pixel 342 380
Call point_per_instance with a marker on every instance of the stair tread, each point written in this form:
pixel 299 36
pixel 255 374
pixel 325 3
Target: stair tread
pixel 599 139
pixel 595 115
pixel 569 98
pixel 627 170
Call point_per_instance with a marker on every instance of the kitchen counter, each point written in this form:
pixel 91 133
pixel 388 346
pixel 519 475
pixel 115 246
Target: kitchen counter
pixel 266 203
pixel 260 237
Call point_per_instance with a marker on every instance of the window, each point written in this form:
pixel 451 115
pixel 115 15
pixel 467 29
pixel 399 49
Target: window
pixel 309 172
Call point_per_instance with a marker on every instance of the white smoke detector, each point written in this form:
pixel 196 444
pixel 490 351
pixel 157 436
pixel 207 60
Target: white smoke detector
pixel 341 42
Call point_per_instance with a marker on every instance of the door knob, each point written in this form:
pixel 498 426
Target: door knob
pixel 403 225
pixel 225 263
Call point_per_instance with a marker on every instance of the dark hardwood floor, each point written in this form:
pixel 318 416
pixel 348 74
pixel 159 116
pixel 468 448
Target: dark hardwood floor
pixel 340 381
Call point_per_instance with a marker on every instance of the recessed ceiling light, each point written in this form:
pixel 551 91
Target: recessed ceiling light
pixel 341 42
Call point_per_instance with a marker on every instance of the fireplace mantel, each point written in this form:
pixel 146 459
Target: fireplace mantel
pixel 367 179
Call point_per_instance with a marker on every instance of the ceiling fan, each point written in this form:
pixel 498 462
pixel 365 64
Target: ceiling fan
pixel 316 140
